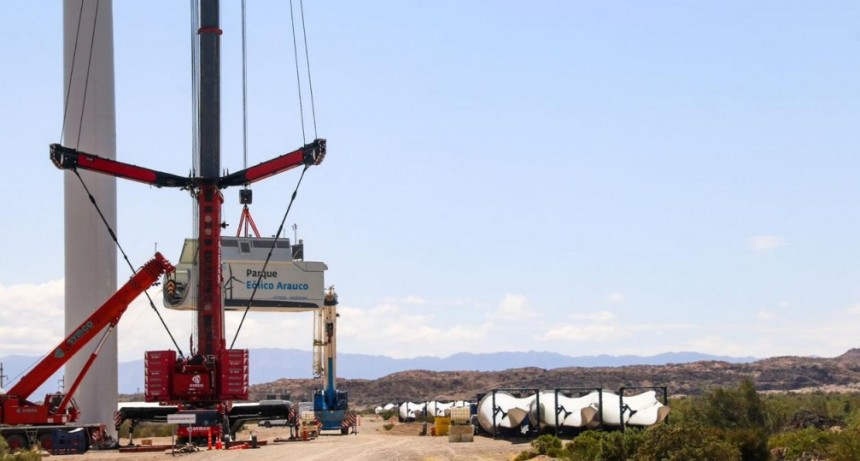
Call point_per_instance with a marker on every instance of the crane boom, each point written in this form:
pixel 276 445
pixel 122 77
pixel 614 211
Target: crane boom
pixel 66 158
pixel 108 314
pixel 309 154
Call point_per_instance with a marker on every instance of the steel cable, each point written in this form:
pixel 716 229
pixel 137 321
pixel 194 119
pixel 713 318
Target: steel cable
pixel 308 62
pixel 87 78
pixel 124 255
pixel 298 77
pixel 269 256
pixel 71 74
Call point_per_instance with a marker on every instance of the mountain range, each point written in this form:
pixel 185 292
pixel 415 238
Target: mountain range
pixel 775 374
pixel 271 364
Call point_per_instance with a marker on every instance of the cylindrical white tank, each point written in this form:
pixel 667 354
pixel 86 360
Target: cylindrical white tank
pixel 90 253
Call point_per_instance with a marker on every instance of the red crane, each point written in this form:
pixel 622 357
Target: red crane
pixel 15 409
pixel 198 379
pixel 212 374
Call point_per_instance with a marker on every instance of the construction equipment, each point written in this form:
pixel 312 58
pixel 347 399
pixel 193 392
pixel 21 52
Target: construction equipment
pixel 331 406
pixel 24 423
pixel 212 376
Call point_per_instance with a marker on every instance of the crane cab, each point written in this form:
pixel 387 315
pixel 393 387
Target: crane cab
pixel 286 283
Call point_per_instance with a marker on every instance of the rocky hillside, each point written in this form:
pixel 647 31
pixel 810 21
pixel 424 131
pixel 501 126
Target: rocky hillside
pixel 773 374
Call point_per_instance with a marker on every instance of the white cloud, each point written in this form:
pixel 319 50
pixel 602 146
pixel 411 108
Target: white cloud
pixel 765 242
pixel 592 332
pixel 31 323
pixel 604 326
pixel 411 299
pixel 141 331
pixel 764 314
pixel 514 307
pixel 659 328
pixel 31 317
pixel 42 299
pixel 392 330
pixel 601 316
pixel 615 298
pixel 719 345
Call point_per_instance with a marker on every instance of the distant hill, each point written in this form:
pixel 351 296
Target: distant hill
pixel 15 365
pixel 270 364
pixel 777 374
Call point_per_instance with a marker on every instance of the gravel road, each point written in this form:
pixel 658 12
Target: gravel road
pixel 372 442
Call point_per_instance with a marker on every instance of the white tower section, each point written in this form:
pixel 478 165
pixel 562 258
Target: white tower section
pixel 90 254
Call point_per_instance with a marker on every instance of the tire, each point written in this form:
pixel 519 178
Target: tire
pixel 344 430
pixel 16 442
pixel 267 424
pixel 46 441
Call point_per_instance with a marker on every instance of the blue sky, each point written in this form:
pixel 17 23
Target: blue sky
pixel 580 177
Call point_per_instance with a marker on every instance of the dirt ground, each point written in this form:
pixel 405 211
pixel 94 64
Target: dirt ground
pixel 401 443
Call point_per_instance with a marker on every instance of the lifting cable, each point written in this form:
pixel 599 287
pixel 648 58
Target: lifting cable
pixel 308 62
pixel 298 77
pixel 125 256
pixel 301 112
pixel 77 145
pixel 87 77
pixel 244 95
pixel 72 71
pixel 245 220
pixel 269 256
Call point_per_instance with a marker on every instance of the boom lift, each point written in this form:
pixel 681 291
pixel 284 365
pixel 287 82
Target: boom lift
pixel 330 405
pixel 23 422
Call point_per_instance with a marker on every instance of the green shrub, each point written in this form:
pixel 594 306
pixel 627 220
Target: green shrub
pixel 585 446
pixel 605 446
pixel 731 408
pixel 740 417
pixel 5 455
pixel 144 430
pixel 684 442
pixel 388 426
pixel 809 441
pixel 30 455
pixel 547 444
pixel 525 455
pixel 154 430
pixel 752 442
pixel 845 446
